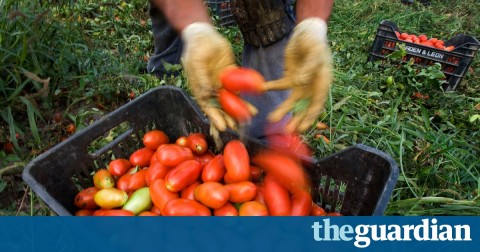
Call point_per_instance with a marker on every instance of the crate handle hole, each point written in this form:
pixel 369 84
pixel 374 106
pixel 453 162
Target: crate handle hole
pixel 110 139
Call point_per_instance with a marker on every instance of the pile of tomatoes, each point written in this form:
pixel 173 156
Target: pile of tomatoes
pixel 424 40
pixel 185 178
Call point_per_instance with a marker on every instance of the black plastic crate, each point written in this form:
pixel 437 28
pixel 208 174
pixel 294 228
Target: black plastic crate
pixel 356 181
pixel 454 64
pixel 222 9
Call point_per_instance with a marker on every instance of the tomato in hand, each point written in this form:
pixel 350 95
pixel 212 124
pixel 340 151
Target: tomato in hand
pixel 242 79
pixel 234 106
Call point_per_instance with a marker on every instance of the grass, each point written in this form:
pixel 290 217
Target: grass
pixel 73 62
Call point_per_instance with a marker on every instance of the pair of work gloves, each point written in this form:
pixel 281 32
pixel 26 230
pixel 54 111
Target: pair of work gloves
pixel 308 72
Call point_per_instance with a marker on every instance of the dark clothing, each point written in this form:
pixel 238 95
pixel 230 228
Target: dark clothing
pixel 262 22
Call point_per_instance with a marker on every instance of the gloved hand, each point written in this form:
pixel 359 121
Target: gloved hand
pixel 308 72
pixel 206 53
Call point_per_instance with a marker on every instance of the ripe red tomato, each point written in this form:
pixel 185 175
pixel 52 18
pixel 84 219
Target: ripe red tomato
pixel 290 142
pixel 124 180
pixel 317 210
pixel 154 138
pixel 137 180
pixel 237 161
pixel 276 197
pixel 155 210
pixel 84 199
pixel 234 106
pixel 205 158
pixel 172 155
pixel 183 175
pixel 160 195
pixel 103 179
pixel 286 170
pixel 112 212
pixel 119 166
pixel 84 212
pixel 182 141
pixel 422 38
pixel 147 213
pixel 253 208
pixel 255 173
pixel 301 204
pixel 241 79
pixel 260 194
pixel 227 179
pixel 141 157
pixel 212 194
pixel 153 159
pixel 197 142
pixel 185 207
pixel 214 170
pixel 334 214
pixel 241 191
pixel 156 171
pixel 189 191
pixel 226 210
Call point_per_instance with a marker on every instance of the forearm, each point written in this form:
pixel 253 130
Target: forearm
pixel 313 8
pixel 181 13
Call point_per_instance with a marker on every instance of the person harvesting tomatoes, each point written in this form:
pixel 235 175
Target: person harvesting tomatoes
pixel 287 46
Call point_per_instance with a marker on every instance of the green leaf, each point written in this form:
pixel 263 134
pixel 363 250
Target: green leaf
pixel 31 112
pixel 3 185
pixel 473 118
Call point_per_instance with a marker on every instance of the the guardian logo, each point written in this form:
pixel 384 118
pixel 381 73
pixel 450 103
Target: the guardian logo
pixel 365 234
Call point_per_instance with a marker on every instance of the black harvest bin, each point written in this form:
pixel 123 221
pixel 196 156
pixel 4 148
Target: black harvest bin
pixel 454 64
pixel 356 181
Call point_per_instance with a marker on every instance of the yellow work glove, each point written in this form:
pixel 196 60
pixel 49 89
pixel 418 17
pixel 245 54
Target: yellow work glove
pixel 308 72
pixel 205 54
